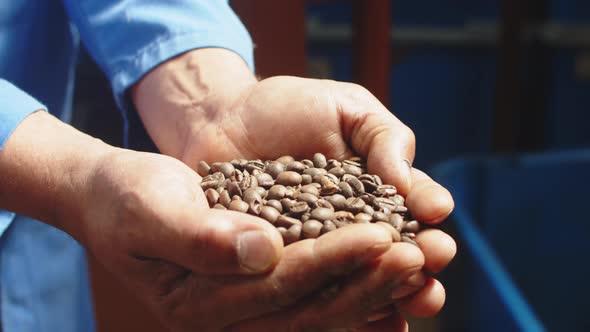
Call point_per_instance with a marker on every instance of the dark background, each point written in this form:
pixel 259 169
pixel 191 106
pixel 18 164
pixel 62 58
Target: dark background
pixel 469 77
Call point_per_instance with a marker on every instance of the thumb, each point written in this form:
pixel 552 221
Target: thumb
pixel 210 241
pixel 375 133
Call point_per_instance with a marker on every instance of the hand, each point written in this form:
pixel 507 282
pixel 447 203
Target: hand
pixel 288 115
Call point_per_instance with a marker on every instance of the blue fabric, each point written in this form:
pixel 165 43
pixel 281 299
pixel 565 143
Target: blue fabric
pixel 43 277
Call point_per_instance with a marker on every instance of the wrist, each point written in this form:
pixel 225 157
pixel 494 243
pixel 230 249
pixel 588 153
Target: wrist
pixel 188 92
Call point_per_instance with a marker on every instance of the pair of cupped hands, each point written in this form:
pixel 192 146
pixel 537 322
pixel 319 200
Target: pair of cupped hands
pixel 202 269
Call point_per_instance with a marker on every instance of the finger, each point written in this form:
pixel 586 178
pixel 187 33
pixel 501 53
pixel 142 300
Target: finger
pixel 366 290
pixel 374 132
pixel 438 248
pixel 428 201
pixel 305 267
pixel 425 303
pixel 392 323
pixel 213 242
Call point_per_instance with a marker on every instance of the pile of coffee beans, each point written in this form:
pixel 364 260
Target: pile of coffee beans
pixel 305 199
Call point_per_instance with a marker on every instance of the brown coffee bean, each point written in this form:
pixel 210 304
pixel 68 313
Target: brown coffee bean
pixel 337 171
pixel 250 195
pixel 265 180
pixel 212 196
pixel 368 210
pixel 312 229
pixel 319 160
pixel 357 186
pixel 385 190
pixel 276 192
pixel 305 217
pixel 275 204
pixel 354 204
pixel 254 165
pixel 274 169
pixel 289 178
pixel 269 213
pixel 328 226
pixel 310 189
pixel 398 200
pixel 369 186
pixel 308 163
pixel 291 193
pixel 343 217
pixel 261 191
pixel 382 204
pixel 395 236
pixel 333 163
pixel 224 198
pixel 351 169
pixel 234 189
pixel 219 207
pixel 322 214
pixel 298 209
pixel 400 209
pixel 322 202
pixel 397 221
pixel 294 234
pixel 287 222
pixel 210 183
pixel 203 168
pixel 338 201
pixel 362 218
pixel 239 205
pixel 411 227
pixel 328 186
pixel 296 166
pixel 345 189
pixel 226 169
pixel 285 160
pixel 315 171
pixel 237 164
pixel 287 203
pixel 380 216
pixel 308 198
pixel 306 179
pixel 255 207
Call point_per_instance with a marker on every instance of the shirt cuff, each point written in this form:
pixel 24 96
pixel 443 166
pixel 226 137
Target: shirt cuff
pixel 15 106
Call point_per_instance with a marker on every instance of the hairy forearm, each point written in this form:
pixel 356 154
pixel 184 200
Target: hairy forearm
pixel 175 98
pixel 44 168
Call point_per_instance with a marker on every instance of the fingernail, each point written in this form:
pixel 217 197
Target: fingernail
pixel 256 251
pixel 409 285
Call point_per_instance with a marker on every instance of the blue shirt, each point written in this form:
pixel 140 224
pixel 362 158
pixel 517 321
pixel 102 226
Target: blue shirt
pixel 43 276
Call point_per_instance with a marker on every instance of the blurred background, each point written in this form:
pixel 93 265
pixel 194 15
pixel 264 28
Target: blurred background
pixel 498 94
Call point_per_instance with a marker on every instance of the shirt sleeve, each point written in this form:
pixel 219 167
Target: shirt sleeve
pixel 129 38
pixel 15 106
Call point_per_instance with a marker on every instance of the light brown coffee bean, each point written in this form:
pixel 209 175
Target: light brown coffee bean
pixel 227 169
pixel 219 207
pixel 345 189
pixel 212 196
pixel 308 198
pixel 315 171
pixel 310 189
pixel 276 192
pixel 308 163
pixel 386 191
pixel 234 189
pixel 312 229
pixel 250 195
pixel 328 226
pixel 274 169
pixel 239 205
pixel 269 213
pixel 322 214
pixel 411 227
pixel 338 201
pixel 224 198
pixel 275 204
pixel 255 207
pixel 319 160
pixel 337 171
pixel 265 180
pixel 306 179
pixel 285 160
pixel 287 222
pixel 203 168
pixel 398 199
pixel 261 191
pixel 351 169
pixel 298 209
pixel 380 216
pixel 362 218
pixel 289 178
pixel 287 203
pixel 397 221
pixel 354 204
pixel 296 166
pixel 357 186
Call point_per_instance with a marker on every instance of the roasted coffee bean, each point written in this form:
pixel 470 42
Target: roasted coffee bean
pixel 287 203
pixel 400 209
pixel 212 196
pixel 333 163
pixel 328 226
pixel 203 168
pixel 274 169
pixel 315 171
pixel 328 186
pixel 250 195
pixel 345 189
pixel 312 229
pixel 395 235
pixel 269 213
pixel 385 190
pixel 239 205
pixel 285 160
pixel 298 209
pixel 351 169
pixel 306 179
pixel 357 186
pixel 397 221
pixel 289 178
pixel 224 198
pixel 411 227
pixel 362 218
pixel 296 166
pixel 368 210
pixel 305 217
pixel 276 192
pixel 380 216
pixel 308 163
pixel 265 180
pixel 219 207
pixel 233 189
pixel 369 186
pixel 322 202
pixel 342 218
pixel 354 204
pixel 322 214
pixel 226 169
pixel 251 166
pixel 255 206
pixel 275 204
pixel 337 171
pixel 310 189
pixel 319 160
pixel 398 200
pixel 287 222
pixel 261 191
pixel 210 183
pixel 294 234
pixel 291 193
pixel 308 198
pixel 338 201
